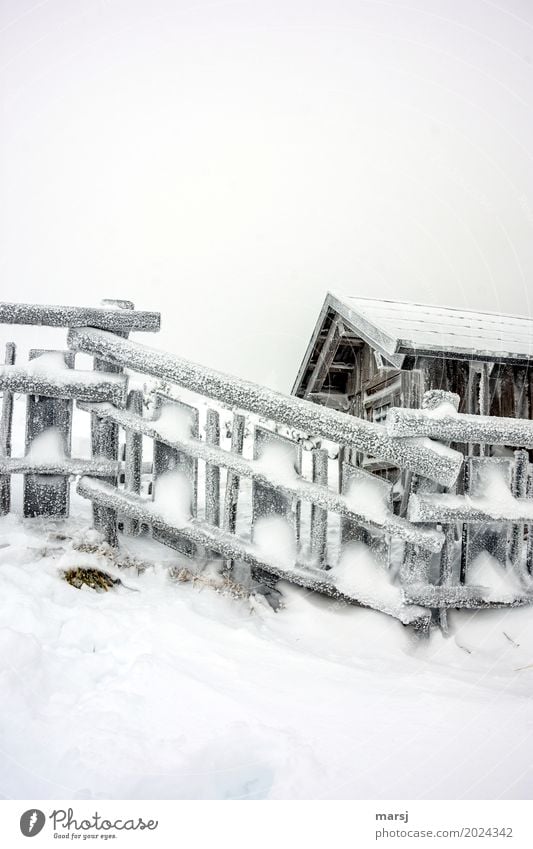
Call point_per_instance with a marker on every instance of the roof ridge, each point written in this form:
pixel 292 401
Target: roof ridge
pixel 342 295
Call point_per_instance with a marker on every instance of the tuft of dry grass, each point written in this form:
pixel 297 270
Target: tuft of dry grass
pixel 93 578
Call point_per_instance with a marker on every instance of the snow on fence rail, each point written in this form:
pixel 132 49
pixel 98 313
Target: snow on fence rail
pixel 193 508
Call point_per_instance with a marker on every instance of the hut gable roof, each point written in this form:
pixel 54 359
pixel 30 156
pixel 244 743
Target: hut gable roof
pixel 398 329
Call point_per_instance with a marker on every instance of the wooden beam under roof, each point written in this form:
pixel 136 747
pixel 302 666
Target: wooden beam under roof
pixel 325 357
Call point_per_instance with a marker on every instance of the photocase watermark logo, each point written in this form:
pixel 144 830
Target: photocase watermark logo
pixel 32 822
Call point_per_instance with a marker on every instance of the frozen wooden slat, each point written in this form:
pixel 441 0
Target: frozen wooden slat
pixel 48 495
pixel 64 316
pixel 233 548
pixel 212 471
pixel 319 516
pixel 231 497
pixel 238 466
pixel 133 454
pixel 434 461
pixel 519 489
pixel 460 596
pixel 64 383
pixel 6 425
pixel 459 427
pixel 69 466
pixel 447 509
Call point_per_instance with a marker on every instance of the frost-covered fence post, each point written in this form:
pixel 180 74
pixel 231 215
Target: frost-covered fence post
pixel 231 497
pixel 48 495
pixel 133 456
pixel 319 516
pixel 6 424
pixel 519 488
pixel 105 433
pixel 168 459
pixel 212 472
pixel 529 545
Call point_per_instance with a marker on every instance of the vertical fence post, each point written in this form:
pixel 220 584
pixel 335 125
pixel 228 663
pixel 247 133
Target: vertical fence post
pixel 6 424
pixel 105 437
pixel 231 496
pixel 319 516
pixel 133 457
pixel 48 495
pixel 212 473
pixel 516 535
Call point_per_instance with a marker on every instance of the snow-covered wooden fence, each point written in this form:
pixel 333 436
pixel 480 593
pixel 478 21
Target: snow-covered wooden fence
pixel 426 538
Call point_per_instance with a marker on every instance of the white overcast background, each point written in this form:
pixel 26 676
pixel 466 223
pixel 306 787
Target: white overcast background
pixel 228 162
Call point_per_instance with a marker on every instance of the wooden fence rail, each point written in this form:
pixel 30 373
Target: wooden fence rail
pixel 271 459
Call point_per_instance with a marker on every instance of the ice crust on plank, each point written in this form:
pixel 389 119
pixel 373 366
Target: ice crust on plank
pixel 447 509
pixel 227 544
pixel 450 426
pixel 67 316
pixel 439 463
pixel 60 382
pixel 292 485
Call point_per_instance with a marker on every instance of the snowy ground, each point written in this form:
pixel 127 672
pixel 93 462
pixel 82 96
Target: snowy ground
pixel 163 689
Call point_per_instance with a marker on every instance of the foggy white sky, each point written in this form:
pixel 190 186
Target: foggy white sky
pixel 228 162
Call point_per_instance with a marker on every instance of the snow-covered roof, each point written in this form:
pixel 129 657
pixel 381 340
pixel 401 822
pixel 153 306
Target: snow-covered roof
pixel 401 327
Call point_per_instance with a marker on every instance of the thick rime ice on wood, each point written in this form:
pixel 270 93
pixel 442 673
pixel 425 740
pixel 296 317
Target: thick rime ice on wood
pixel 450 426
pixel 291 485
pixel 63 383
pixel 68 466
pixel 64 316
pixel 445 596
pixel 360 574
pixel 439 399
pixel 275 540
pixel 173 497
pixel 441 464
pixel 226 544
pixel 447 509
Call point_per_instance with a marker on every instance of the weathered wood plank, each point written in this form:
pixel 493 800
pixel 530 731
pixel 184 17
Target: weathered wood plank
pixel 319 516
pixel 64 316
pixel 133 455
pixel 231 497
pixel 212 471
pixel 6 425
pixel 64 383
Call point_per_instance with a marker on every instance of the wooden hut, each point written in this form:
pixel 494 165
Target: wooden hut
pixel 367 355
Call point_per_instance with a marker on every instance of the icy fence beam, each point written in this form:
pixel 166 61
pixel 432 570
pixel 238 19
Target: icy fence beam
pixel 117 320
pixel 6 427
pixel 296 487
pixel 447 509
pixel 432 461
pixel 460 597
pixel 232 548
pixel 68 466
pixel 459 427
pixel 64 383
